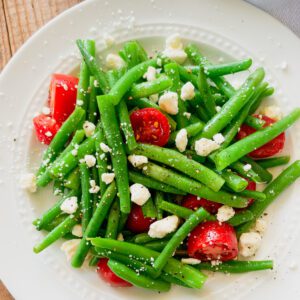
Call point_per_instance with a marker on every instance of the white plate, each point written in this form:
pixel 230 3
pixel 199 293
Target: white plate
pixel 223 29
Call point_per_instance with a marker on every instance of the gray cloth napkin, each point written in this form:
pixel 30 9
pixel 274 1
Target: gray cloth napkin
pixel 287 11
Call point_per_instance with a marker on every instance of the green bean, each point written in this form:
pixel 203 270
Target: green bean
pixel 254 141
pixel 48 216
pixel 125 82
pixel 208 100
pixel 180 162
pixel 277 186
pixel 255 123
pixel 239 167
pixel 84 76
pixel 58 232
pixel 234 181
pixel 94 261
pixel 133 54
pixel 187 274
pixel 126 125
pixel 94 69
pixel 153 184
pixel 192 155
pixel 175 209
pixel 60 139
pixel 157 200
pixel 156 245
pixel 241 217
pixel 55 222
pixel 138 279
pixel 197 217
pixel 253 194
pixel 191 130
pixel 92 111
pixel 232 107
pixel 172 280
pixel 72 180
pixel 94 225
pixel 122 221
pixel 149 209
pixel 58 188
pixel 118 156
pixel 267 92
pixel 265 175
pixel 113 221
pixel 274 161
pixel 144 103
pixel 146 89
pixel 192 187
pixel 236 266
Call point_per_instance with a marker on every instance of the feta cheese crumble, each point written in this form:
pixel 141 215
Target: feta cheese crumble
pixel 108 177
pixel 90 160
pixel 174 49
pixel 247 167
pixel 260 226
pixel 181 140
pixel 139 194
pixel 137 160
pixel 28 182
pixel 70 205
pixel 161 228
pixel 94 188
pixel 150 75
pixel 249 243
pixel 105 148
pixel 205 146
pixel 187 91
pixel 89 128
pixel 154 98
pixel 77 230
pixel 187 115
pixel 69 248
pixel 225 213
pixel 219 138
pixel 120 237
pixel 114 61
pixel 272 111
pixel 190 261
pixel 168 102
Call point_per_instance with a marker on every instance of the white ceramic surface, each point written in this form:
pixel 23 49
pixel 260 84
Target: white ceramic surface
pixel 224 30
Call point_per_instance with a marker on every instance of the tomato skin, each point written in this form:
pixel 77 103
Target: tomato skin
pixel 136 222
pixel 271 148
pixel 213 240
pixel 45 128
pixel 150 126
pixel 62 96
pixel 192 202
pixel 109 276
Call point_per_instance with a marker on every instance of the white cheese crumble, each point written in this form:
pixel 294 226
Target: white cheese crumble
pixel 77 230
pixel 79 102
pixel 150 75
pixel 225 213
pixel 187 115
pixel 260 226
pixel 94 187
pixel 120 237
pixel 249 243
pixel 168 102
pixel 70 205
pixel 219 138
pixel 190 261
pixel 69 247
pixel 161 228
pixel 154 98
pixel 174 49
pixel 137 160
pixel 46 111
pixel 109 40
pixel 205 146
pixel 247 167
pixel 28 182
pixel 90 160
pixel 218 108
pixel 272 111
pixel 174 41
pixel 181 140
pixel 114 61
pixel 187 91
pixel 108 177
pixel 74 152
pixel 105 148
pixel 89 128
pixel 139 194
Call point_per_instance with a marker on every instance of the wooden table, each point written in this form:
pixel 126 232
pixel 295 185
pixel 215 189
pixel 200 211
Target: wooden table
pixel 19 19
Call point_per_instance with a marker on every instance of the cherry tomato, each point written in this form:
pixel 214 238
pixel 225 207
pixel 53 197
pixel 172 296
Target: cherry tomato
pixel 62 96
pixel 150 126
pixel 269 149
pixel 213 240
pixel 109 276
pixel 136 222
pixel 192 202
pixel 251 187
pixel 45 128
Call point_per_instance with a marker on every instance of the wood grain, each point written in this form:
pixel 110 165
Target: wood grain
pixel 4 293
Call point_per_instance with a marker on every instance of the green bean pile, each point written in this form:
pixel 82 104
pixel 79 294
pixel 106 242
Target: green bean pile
pixel 169 174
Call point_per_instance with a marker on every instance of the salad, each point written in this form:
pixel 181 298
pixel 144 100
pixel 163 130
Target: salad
pixel 155 162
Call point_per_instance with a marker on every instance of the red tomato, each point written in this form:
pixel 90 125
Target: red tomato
pixel 62 96
pixel 136 222
pixel 150 126
pixel 109 276
pixel 269 149
pixel 46 128
pixel 213 240
pixel 192 202
pixel 251 187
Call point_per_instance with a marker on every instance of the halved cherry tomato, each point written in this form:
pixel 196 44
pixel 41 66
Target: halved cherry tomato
pixel 192 202
pixel 136 222
pixel 213 240
pixel 62 96
pixel 46 128
pixel 269 149
pixel 150 126
pixel 109 276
